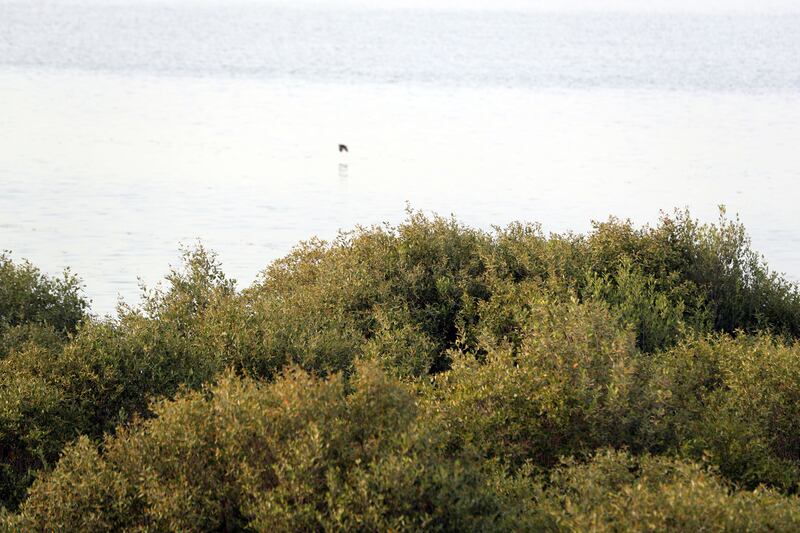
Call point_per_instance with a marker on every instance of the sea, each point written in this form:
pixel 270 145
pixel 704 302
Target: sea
pixel 132 129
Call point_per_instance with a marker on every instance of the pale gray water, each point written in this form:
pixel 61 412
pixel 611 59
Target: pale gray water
pixel 128 128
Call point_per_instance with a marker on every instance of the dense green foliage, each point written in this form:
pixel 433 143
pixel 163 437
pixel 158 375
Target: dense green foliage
pixel 300 454
pixel 424 376
pixel 617 492
pixel 36 308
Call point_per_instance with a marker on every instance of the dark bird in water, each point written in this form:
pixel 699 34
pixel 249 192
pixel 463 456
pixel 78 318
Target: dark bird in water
pixel 343 148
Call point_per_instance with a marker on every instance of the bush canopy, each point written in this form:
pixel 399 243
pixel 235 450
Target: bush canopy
pixel 421 376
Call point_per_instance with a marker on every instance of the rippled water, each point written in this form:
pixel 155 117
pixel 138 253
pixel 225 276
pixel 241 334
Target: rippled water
pixel 126 129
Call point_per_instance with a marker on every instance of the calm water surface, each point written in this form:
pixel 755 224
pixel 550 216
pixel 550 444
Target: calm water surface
pixel 127 129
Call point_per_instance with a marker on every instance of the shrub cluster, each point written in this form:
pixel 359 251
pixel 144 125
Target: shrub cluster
pixel 424 376
pixel 37 308
pixel 296 455
pixel 107 371
pixel 615 491
pixel 732 402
